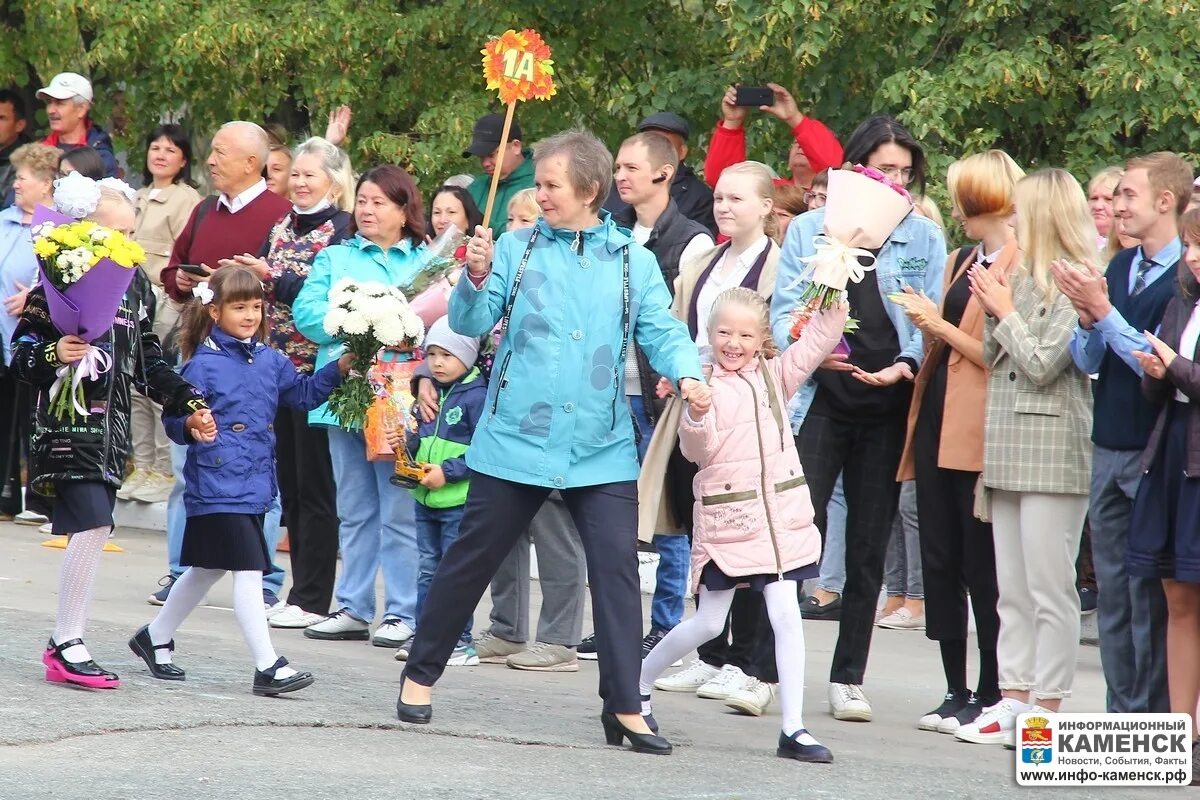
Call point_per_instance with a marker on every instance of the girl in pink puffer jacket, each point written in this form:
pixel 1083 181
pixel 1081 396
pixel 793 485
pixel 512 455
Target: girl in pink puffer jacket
pixel 753 516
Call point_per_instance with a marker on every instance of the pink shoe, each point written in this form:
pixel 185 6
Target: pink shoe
pixel 82 673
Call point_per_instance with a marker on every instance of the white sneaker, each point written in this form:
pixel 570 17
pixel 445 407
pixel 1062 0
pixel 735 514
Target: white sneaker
pixel 463 656
pixel 753 698
pixel 723 684
pixel 155 489
pixel 392 633
pixel 273 611
pixel 294 617
pixel 688 680
pixel 342 626
pixel 997 724
pixel 849 703
pixel 135 479
pixel 46 529
pixel 902 620
pixel 30 518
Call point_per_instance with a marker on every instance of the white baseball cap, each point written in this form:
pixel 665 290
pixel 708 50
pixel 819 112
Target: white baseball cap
pixel 66 85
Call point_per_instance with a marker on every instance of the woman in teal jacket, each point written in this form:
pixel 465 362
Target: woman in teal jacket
pixel 571 294
pixel 376 527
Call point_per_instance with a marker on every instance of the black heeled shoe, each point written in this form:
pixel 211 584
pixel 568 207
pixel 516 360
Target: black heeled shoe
pixel 615 733
pixel 143 647
pixel 812 753
pixel 267 685
pixel 80 673
pixel 413 714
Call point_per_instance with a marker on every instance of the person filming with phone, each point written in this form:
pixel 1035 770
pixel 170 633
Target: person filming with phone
pixel 815 148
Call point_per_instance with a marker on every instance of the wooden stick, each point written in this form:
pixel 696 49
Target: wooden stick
pixel 491 198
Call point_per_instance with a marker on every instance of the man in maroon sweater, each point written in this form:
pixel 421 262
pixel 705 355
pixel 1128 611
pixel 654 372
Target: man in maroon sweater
pixel 239 219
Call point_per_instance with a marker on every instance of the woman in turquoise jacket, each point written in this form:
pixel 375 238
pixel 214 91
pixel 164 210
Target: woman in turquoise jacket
pixel 571 294
pixel 376 527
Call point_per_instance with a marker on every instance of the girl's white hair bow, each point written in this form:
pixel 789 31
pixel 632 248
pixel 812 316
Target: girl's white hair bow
pixel 203 291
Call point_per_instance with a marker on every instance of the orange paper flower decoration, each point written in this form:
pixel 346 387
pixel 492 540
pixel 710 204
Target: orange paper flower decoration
pixel 519 66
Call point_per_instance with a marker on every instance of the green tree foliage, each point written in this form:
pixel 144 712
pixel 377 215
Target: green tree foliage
pixel 1077 83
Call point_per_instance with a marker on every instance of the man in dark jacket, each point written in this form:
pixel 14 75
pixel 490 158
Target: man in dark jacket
pixel 691 194
pixel 68 100
pixel 12 136
pixel 645 168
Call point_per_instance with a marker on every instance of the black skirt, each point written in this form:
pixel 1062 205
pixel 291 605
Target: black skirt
pixel 225 541
pixel 82 506
pixel 713 579
pixel 1164 531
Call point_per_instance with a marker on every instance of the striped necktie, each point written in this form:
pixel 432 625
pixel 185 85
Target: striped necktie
pixel 1139 283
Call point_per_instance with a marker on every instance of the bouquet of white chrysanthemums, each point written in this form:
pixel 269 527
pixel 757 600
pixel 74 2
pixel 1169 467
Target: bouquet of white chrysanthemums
pixel 368 317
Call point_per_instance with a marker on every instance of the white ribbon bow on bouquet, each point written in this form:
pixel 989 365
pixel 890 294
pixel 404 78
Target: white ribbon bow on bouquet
pixel 834 264
pixel 94 363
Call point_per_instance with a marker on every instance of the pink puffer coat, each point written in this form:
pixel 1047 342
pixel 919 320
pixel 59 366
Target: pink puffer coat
pixel 752 513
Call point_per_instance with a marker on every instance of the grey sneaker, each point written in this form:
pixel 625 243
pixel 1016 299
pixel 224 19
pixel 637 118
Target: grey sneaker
pixel 491 649
pixel 544 657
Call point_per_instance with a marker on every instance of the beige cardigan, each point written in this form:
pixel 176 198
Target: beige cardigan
pixel 654 508
pixel 159 222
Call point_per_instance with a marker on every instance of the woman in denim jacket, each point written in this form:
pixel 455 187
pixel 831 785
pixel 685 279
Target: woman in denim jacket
pixel 855 407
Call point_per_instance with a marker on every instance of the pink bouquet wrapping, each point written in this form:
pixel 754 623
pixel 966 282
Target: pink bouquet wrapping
pixel 862 210
pixel 431 288
pixel 85 270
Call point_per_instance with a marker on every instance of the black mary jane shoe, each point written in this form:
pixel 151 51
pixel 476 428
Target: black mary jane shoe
pixel 812 753
pixel 410 713
pixel 80 673
pixel 615 733
pixel 143 647
pixel 651 722
pixel 267 685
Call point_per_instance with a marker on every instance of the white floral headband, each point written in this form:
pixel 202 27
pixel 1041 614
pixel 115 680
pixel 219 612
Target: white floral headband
pixel 77 195
pixel 202 291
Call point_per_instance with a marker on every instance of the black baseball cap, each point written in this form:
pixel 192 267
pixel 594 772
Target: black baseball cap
pixel 485 138
pixel 666 121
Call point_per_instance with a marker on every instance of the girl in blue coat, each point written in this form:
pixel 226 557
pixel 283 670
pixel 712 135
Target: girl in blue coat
pixel 230 475
pixel 572 295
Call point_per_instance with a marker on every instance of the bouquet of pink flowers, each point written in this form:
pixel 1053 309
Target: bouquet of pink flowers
pixel 430 290
pixel 862 210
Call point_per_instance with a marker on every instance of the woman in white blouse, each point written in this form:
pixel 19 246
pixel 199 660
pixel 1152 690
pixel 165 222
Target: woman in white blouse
pixel 743 205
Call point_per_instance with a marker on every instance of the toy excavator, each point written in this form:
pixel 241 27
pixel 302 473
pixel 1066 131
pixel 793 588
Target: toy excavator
pixel 409 471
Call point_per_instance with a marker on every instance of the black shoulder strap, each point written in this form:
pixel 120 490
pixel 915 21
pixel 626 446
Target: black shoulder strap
pixel 516 284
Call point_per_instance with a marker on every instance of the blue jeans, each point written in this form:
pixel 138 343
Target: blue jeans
pixel 437 529
pixel 376 532
pixel 177 521
pixel 674 550
pixel 833 559
pixel 902 570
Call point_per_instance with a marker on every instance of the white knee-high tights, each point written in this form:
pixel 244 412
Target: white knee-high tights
pixel 76 578
pixel 191 588
pixel 783 609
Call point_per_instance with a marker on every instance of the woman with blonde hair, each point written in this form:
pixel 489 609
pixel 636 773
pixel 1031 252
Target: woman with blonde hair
pixel 322 192
pixel 1102 188
pixel 944 448
pixel 1037 459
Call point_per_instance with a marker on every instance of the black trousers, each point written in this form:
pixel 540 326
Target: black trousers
pixel 866 453
pixel 16 428
pixel 497 514
pixel 957 555
pixel 309 498
pixel 746 650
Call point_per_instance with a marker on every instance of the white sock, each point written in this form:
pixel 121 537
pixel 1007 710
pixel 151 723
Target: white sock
pixel 76 578
pixel 252 619
pixel 707 623
pixel 783 609
pixel 187 593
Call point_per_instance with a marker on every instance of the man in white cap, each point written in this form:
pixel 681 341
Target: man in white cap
pixel 68 100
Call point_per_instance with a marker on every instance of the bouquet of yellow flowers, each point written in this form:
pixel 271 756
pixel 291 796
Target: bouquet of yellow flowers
pixel 85 271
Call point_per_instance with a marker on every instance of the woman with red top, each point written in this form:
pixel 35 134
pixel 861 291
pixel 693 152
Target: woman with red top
pixel 816 147
pixel 321 184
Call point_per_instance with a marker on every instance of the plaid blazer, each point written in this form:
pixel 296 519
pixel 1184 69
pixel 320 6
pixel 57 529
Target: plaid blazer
pixel 1039 405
